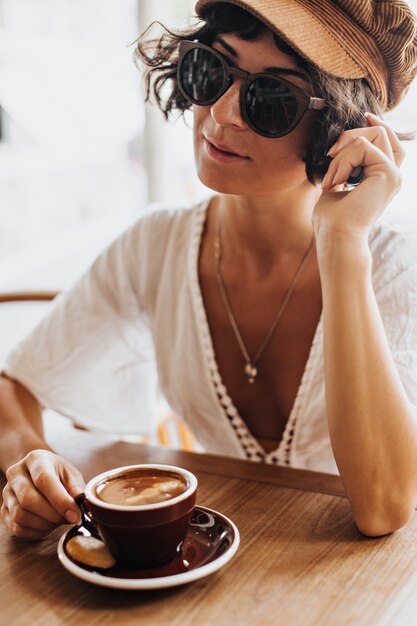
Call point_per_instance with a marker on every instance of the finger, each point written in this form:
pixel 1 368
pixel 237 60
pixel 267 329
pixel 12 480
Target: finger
pixel 21 531
pixel 360 152
pixel 72 479
pixel 377 135
pixel 44 476
pixel 32 501
pixel 396 146
pixel 24 518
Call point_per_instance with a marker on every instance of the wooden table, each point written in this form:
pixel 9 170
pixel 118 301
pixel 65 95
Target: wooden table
pixel 301 562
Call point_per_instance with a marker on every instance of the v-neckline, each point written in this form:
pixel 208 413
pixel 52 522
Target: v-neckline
pixel 249 445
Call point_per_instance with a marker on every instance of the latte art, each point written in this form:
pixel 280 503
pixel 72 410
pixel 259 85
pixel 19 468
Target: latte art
pixel 139 488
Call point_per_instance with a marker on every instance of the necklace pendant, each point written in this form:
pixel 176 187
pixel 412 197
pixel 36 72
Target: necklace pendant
pixel 251 372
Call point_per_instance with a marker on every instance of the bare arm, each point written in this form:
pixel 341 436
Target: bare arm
pixel 372 427
pixel 40 485
pixel 21 423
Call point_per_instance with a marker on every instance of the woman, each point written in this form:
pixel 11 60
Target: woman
pixel 280 312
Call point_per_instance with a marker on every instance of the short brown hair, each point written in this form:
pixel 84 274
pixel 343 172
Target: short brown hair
pixel 347 99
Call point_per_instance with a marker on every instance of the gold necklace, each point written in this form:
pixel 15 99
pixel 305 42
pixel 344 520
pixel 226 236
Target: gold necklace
pixel 251 365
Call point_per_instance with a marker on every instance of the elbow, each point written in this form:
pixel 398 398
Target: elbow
pixel 372 525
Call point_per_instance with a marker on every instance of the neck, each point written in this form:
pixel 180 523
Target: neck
pixel 261 232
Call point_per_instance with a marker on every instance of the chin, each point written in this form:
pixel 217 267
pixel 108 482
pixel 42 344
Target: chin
pixel 224 180
pixel 229 187
pixel 220 185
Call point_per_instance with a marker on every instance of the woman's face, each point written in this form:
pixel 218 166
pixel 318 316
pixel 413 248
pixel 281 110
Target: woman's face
pixel 261 165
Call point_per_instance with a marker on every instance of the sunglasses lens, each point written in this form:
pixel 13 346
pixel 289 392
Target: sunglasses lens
pixel 271 106
pixel 202 75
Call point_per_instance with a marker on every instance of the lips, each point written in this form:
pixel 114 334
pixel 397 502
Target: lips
pixel 228 150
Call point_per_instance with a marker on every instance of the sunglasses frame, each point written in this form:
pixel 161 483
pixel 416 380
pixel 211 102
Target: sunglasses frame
pixel 304 100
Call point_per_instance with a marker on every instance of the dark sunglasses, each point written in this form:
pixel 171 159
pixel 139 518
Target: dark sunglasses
pixel 271 105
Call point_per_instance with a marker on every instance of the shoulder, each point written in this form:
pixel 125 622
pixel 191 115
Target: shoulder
pixel 140 251
pixel 164 227
pixel 168 218
pixel 160 227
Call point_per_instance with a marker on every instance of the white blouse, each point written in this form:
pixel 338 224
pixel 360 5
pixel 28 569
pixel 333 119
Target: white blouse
pixel 136 320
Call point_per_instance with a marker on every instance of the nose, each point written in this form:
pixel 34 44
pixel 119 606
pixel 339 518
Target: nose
pixel 226 111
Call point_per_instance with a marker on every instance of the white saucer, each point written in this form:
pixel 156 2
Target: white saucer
pixel 212 540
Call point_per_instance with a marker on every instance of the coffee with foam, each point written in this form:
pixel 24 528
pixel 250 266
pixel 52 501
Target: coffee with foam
pixel 140 488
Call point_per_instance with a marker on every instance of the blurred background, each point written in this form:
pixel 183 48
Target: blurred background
pixel 76 163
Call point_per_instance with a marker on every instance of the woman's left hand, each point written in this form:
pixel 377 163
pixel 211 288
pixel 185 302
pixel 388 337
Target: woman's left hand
pixel 353 213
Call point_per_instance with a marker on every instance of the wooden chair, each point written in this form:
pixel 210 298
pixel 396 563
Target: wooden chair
pixel 27 296
pixel 171 431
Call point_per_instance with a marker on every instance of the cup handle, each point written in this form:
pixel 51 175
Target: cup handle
pixel 86 519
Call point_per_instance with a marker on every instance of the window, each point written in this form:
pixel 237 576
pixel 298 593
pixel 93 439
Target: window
pixel 72 167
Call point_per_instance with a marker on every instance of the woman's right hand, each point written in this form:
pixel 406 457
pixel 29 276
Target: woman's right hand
pixel 39 494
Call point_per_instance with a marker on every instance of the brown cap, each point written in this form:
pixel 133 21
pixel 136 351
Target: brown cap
pixel 372 39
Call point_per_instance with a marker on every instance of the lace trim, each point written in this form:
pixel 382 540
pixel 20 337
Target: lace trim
pixel 251 448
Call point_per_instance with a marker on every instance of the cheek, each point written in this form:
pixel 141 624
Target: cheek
pixel 280 155
pixel 291 149
pixel 199 115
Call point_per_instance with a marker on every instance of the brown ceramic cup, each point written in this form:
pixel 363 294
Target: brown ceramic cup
pixel 146 535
